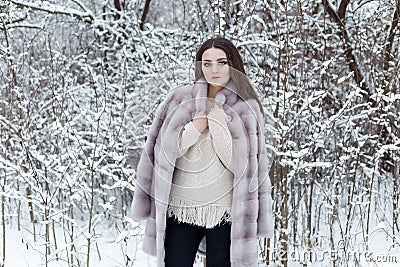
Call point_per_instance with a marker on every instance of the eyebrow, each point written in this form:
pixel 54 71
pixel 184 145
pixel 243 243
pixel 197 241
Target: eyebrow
pixel 222 58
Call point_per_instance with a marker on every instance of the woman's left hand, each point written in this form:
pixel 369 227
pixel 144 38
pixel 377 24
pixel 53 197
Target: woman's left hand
pixel 215 105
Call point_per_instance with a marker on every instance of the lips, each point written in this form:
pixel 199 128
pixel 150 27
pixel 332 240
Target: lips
pixel 215 77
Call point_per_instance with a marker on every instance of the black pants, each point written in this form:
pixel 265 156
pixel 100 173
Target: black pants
pixel 182 241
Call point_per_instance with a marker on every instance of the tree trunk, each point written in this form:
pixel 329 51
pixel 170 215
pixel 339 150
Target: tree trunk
pixel 144 14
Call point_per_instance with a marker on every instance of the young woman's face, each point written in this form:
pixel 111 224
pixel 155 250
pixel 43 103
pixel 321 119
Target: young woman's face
pixel 215 67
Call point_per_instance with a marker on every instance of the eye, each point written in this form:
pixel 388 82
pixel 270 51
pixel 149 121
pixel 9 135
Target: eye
pixel 206 64
pixel 223 63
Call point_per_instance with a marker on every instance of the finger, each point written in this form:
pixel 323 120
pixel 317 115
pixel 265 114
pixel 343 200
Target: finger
pixel 200 114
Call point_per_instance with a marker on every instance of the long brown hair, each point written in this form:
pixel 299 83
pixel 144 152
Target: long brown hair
pixel 243 86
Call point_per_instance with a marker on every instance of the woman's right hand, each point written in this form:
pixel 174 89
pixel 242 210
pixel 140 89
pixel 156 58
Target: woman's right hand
pixel 200 121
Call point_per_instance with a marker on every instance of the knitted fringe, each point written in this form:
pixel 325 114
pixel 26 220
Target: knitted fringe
pixel 206 215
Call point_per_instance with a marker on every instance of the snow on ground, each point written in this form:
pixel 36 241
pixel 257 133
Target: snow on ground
pixel 23 251
pixel 113 251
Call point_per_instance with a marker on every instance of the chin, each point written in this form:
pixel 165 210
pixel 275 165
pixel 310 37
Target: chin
pixel 217 84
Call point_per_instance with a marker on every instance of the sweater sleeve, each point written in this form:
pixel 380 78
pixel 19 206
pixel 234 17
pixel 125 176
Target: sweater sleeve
pixel 189 137
pixel 221 137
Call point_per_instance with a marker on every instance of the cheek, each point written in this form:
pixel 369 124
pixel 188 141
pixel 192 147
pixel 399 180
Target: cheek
pixel 227 73
pixel 205 71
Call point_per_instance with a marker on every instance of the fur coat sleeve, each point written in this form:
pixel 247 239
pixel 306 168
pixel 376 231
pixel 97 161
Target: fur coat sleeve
pixel 259 166
pixel 141 204
pixel 264 221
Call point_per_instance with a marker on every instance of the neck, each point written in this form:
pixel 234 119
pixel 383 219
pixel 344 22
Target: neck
pixel 213 90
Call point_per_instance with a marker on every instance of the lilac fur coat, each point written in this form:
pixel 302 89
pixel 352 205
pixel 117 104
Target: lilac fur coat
pixel 251 200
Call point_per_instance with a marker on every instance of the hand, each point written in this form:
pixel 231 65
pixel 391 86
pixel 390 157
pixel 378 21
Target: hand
pixel 200 121
pixel 216 105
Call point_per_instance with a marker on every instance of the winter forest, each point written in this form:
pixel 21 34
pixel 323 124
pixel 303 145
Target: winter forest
pixel 81 78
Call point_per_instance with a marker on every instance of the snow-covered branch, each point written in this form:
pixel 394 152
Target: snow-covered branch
pixel 390 39
pixel 85 15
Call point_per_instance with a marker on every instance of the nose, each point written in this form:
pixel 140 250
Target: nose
pixel 214 68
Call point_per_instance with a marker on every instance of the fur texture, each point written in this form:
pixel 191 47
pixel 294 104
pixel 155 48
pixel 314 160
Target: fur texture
pixel 251 202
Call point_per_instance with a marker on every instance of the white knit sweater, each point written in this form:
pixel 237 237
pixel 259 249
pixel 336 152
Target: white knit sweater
pixel 201 193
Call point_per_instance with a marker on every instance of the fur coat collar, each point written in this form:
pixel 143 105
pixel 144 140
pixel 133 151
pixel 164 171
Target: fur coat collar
pixel 251 199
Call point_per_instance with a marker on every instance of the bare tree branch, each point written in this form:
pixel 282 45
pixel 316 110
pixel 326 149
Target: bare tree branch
pixel 390 39
pixel 11 24
pixel 118 7
pixel 332 13
pixel 55 9
pixel 227 14
pixel 353 65
pixel 144 14
pixel 342 8
pixel 79 3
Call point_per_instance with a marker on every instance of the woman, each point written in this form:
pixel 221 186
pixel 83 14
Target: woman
pixel 203 174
